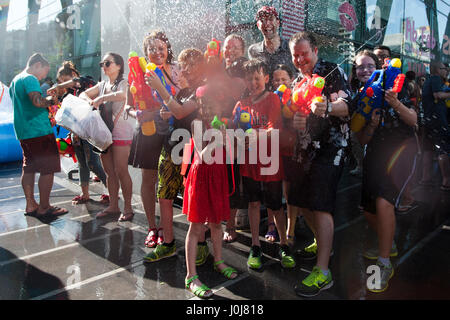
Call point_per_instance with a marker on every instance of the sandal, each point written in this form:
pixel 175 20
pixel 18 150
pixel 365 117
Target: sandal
pixel 152 238
pixel 79 200
pixel 52 212
pixel 126 217
pixel 104 199
pixel 160 239
pixel 227 272
pixel 227 237
pixel 271 233
pixel 202 291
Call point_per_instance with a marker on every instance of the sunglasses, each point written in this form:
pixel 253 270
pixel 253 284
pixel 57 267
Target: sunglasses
pixel 105 63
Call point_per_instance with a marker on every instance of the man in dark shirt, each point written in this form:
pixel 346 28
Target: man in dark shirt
pixel 273 50
pixel 436 123
pixel 322 148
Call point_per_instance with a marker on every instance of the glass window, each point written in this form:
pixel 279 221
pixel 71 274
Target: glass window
pixel 60 30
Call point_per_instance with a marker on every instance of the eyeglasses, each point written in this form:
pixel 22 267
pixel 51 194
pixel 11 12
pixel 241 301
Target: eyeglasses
pixel 105 63
pixel 367 67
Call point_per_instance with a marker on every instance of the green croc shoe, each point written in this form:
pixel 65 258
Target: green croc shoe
pixel 254 259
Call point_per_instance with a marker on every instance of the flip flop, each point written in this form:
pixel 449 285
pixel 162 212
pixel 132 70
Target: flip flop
pixel 126 217
pixel 228 238
pixel 79 200
pixel 271 233
pixel 31 213
pixel 53 212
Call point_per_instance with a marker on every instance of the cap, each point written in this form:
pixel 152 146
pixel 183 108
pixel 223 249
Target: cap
pixel 266 11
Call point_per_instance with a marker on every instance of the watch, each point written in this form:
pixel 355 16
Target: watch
pixel 329 107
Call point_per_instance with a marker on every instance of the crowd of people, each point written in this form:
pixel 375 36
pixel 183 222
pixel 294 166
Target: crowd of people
pixel 313 149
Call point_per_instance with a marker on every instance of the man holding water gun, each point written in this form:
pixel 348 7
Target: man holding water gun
pixel 322 146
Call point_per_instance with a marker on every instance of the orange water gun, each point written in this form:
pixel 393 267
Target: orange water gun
pixel 142 94
pixel 308 91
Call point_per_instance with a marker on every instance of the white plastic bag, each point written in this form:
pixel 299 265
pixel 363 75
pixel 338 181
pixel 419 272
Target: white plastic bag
pixel 77 116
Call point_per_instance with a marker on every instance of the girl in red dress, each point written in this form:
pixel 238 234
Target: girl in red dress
pixel 206 195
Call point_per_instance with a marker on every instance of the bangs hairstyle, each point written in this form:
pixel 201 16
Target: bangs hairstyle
pixel 285 68
pixel 67 69
pixel 37 58
pixel 255 65
pixel 159 35
pixel 354 82
pixel 304 35
pixel 191 55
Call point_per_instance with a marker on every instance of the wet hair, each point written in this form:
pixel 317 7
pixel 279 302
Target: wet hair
pixel 37 58
pixel 67 69
pixel 119 61
pixel 383 48
pixel 285 68
pixel 354 82
pixel 191 54
pixel 304 35
pixel 255 65
pixel 158 35
pixel 238 37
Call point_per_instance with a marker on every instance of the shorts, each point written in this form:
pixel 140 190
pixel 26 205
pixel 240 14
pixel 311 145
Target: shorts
pixel 268 193
pixel 145 150
pixel 170 181
pixel 237 199
pixel 40 155
pixel 293 170
pixel 317 189
pixel 383 178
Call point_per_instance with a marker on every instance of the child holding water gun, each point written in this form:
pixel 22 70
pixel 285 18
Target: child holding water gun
pixel 262 111
pixel 282 75
pixel 206 195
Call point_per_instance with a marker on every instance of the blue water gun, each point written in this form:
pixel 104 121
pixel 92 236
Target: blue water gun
pixel 371 96
pixel 171 90
pixel 243 120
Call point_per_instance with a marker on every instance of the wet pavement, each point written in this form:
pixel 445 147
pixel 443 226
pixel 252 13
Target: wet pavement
pixel 78 257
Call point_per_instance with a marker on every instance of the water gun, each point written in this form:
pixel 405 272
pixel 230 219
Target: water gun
pixel 171 90
pixel 243 120
pixel 288 109
pixel 213 49
pixel 372 94
pixel 52 112
pixel 65 148
pixel 142 94
pixel 217 124
pixel 306 92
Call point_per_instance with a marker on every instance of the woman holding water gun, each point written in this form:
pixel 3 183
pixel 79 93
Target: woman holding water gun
pixel 183 108
pixel 146 149
pixel 387 164
pixel 70 82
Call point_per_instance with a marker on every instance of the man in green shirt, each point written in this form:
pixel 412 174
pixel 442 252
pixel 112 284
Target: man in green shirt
pixel 35 133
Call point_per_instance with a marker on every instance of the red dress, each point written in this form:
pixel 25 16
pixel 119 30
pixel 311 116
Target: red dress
pixel 206 194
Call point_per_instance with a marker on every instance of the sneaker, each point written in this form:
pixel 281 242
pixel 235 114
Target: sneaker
pixel 386 273
pixel 310 252
pixel 254 258
pixel 372 253
pixel 161 252
pixel 314 283
pixel 202 254
pixel 287 260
